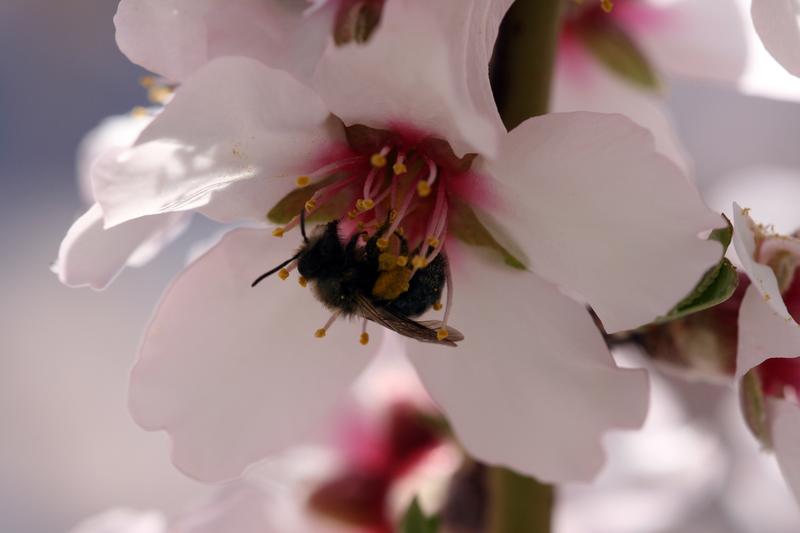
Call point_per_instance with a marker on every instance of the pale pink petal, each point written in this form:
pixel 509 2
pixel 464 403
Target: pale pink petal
pixel 92 256
pixel 234 120
pixel 590 86
pixel 604 216
pixel 761 275
pixel 532 386
pixel 123 521
pixel 763 332
pixel 785 439
pixel 174 38
pixel 702 39
pixel 778 24
pixel 409 74
pixel 233 373
pixel 117 131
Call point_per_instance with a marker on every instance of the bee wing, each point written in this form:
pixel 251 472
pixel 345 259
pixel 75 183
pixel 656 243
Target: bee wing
pixel 399 323
pixel 452 333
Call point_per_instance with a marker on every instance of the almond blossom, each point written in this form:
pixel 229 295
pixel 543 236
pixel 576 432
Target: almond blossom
pixel 399 145
pixel 615 56
pixel 768 351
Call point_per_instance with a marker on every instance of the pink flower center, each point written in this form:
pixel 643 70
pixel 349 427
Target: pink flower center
pixel 389 196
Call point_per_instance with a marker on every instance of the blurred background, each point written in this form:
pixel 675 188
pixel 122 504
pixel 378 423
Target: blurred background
pixel 67 446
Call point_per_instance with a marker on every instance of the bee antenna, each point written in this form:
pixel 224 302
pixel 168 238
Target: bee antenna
pixel 303 225
pixel 265 275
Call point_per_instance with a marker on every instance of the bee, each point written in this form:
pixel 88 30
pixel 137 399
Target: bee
pixel 354 280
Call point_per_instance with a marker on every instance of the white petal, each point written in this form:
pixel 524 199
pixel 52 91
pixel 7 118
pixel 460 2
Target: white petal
pixel 785 439
pixel 763 332
pixel 409 74
pixel 176 37
pixel 532 386
pixel 700 39
pixel 233 373
pixel 591 87
pixel 118 131
pixel 92 256
pixel 762 276
pixel 234 120
pixel 778 24
pixel 604 216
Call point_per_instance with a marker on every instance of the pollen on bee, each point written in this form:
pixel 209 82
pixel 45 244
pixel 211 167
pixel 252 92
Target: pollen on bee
pixel 382 243
pixel 442 334
pixel 607 5
pixel 364 339
pixel 399 168
pixel 278 232
pixel 378 160
pixel 387 261
pixel 437 306
pixel 310 206
pixel 303 181
pixel 418 261
pixel 283 273
pixel 423 189
pixel 302 281
pixel 402 260
pixel 320 333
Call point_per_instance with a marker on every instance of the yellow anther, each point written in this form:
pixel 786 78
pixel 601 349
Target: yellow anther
pixel 387 261
pixel 320 333
pixel 310 206
pixel 158 94
pixel 278 232
pixel 139 111
pixel 437 306
pixel 302 281
pixel 352 214
pixel 367 204
pixel 401 231
pixel 423 189
pixel 418 261
pixel 392 215
pixel 147 81
pixel 382 243
pixel 283 273
pixel 442 334
pixel 399 168
pixel 303 181
pixel 377 160
pixel 402 260
pixel 433 241
pixel 607 5
pixel 364 340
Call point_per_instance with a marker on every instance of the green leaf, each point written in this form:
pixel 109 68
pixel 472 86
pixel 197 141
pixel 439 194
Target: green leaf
pixel 613 47
pixel 723 235
pixel 717 285
pixel 415 521
pixel 751 397
pixel 467 227
pixel 291 204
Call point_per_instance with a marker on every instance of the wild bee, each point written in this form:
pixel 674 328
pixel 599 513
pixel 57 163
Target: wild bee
pixel 356 279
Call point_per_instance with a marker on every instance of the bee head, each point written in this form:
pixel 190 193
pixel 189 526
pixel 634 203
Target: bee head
pixel 323 255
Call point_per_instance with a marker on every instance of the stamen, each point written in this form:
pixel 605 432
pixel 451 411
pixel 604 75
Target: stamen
pixel 399 166
pixel 310 206
pixel 607 5
pixel 364 339
pixel 418 262
pixel 302 281
pixel 442 332
pixel 378 160
pixel 402 260
pixel 278 232
pixel 303 181
pixel 423 189
pixel 321 332
pixel 433 173
pixel 283 273
pixel 437 306
pixel 400 214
